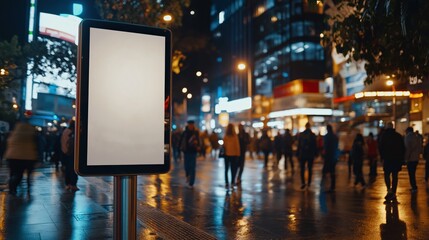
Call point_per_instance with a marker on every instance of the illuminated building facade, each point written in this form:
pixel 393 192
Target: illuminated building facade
pixel 281 41
pixel 52 97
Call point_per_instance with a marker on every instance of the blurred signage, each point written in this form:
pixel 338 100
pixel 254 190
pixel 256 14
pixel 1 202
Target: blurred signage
pixel 205 105
pixel 223 119
pixel 298 87
pixel 64 27
pixel 234 105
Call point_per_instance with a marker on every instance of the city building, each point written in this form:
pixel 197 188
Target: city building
pixel 286 73
pixel 52 97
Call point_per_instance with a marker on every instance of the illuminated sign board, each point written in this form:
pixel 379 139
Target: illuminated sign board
pixel 123 110
pixel 64 27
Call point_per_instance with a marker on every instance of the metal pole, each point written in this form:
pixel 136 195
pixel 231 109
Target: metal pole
pixel 125 208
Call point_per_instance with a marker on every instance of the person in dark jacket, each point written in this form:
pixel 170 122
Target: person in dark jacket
pixel 307 151
pixel 372 146
pixel 265 146
pixel 190 145
pixel 330 155
pixel 287 150
pixel 278 147
pixel 392 152
pixel 357 155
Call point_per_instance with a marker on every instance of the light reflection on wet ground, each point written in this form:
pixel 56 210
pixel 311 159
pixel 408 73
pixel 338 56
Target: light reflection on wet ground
pixel 268 205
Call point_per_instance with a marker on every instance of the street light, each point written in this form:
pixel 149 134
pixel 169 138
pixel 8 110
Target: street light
pixel 167 18
pixel 392 84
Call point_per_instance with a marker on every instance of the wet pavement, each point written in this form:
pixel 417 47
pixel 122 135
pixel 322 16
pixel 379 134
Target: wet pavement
pixel 268 205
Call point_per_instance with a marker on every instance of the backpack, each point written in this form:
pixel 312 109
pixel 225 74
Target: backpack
pixel 70 145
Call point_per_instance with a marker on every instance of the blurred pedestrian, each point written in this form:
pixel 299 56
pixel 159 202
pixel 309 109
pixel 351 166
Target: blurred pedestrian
pixel 67 148
pixel 244 140
pixel 287 149
pixel 330 155
pixel 392 152
pixel 175 144
pixel 278 147
pixel 307 151
pixel 320 146
pixel 56 157
pixel 231 145
pixel 214 142
pixel 426 157
pixel 190 145
pixel 412 153
pixel 204 143
pixel 372 147
pixel 357 154
pixel 265 146
pixel 22 154
pixel 348 142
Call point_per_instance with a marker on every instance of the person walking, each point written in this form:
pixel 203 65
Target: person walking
pixel 357 155
pixel 392 153
pixel 265 146
pixel 307 151
pixel 330 155
pixel 67 147
pixel 278 148
pixel 426 157
pixel 372 154
pixel 190 145
pixel 231 145
pixel 244 140
pixel 22 154
pixel 175 139
pixel 287 149
pixel 214 142
pixel 412 153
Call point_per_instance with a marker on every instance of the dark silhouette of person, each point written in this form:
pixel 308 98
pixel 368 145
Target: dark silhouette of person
pixel 392 152
pixel 357 155
pixel 278 147
pixel 330 155
pixel 265 146
pixel 394 228
pixel 175 144
pixel 190 145
pixel 372 146
pixel 287 149
pixel 307 151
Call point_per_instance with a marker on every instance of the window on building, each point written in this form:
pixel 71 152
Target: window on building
pixel 296 7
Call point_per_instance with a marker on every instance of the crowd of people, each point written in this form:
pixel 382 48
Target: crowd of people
pixel 25 147
pixel 390 148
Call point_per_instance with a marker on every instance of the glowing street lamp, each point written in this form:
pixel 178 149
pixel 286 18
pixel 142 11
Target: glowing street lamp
pixel 184 90
pixel 241 66
pixel 199 73
pixel 167 18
